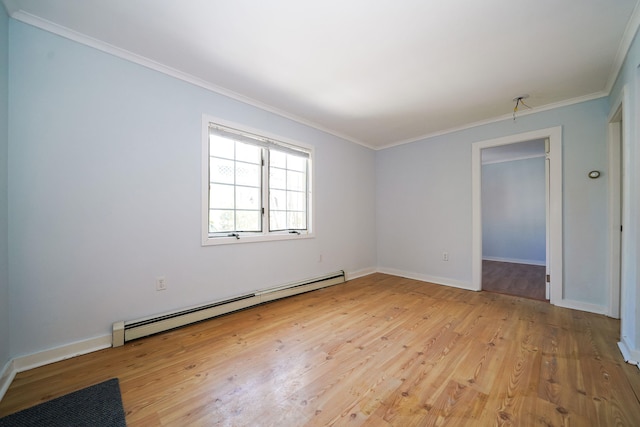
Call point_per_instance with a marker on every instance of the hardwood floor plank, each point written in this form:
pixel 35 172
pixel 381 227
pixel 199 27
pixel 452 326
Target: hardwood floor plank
pixel 375 351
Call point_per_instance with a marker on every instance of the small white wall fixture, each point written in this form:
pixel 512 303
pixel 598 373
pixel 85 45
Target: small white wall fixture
pixel 554 225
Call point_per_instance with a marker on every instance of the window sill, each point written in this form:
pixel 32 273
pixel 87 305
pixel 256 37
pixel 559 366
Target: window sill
pixel 254 238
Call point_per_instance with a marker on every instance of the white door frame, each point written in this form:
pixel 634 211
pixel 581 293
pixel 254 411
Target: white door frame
pixel 555 266
pixel 618 150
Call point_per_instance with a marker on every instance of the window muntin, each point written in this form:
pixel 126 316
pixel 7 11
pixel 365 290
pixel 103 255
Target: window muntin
pixel 257 187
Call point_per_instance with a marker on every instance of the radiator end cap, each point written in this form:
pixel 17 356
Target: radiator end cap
pixel 117 339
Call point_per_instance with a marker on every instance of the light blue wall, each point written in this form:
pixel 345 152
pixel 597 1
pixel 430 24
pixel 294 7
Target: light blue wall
pixel 4 135
pixel 628 80
pixel 105 190
pixel 513 211
pixel 424 201
pixel 105 196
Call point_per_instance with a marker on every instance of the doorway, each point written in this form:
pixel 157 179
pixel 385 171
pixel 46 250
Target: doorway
pixel 554 209
pixel 514 192
pixel 621 263
pixel 616 207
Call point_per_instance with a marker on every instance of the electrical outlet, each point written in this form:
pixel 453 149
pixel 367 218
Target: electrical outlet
pixel 320 258
pixel 445 256
pixel 161 283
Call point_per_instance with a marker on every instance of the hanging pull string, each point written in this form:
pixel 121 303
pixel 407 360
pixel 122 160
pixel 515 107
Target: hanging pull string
pixel 519 100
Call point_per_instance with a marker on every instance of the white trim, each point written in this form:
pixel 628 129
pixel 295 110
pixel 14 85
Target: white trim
pixel 513 159
pixel 615 135
pixel 52 355
pixel 556 263
pixel 582 306
pixel 629 356
pixel 7 375
pixel 514 260
pixel 75 36
pixel 547 219
pixel 427 278
pixel 625 44
pixel 509 116
pixel 265 236
pixel 351 275
pixel 52 27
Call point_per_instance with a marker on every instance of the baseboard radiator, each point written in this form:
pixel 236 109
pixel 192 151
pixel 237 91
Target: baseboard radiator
pixel 125 331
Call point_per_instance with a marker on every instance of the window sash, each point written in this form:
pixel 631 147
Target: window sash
pixel 285 214
pixel 249 138
pixel 292 216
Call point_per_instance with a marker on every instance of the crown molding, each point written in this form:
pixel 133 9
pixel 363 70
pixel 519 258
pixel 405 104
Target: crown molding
pixel 18 14
pixel 625 44
pixel 509 116
pixel 52 27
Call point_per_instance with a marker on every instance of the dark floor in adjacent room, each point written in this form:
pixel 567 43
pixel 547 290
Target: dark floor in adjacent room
pixel 523 280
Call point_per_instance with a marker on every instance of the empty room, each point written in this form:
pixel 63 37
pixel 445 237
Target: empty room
pixel 285 213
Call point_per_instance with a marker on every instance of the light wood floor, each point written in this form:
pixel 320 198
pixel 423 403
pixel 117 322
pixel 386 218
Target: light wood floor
pixel 509 278
pixel 376 351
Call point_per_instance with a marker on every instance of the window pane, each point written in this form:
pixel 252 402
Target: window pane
pixel 220 220
pixel 277 200
pixel 237 185
pixel 248 153
pixel 278 220
pixel 278 159
pixel 247 198
pixel 221 170
pixel 296 163
pixel 297 220
pixel 248 221
pixel 247 174
pixel 221 147
pixel 296 181
pixel 296 201
pixel 278 178
pixel 221 196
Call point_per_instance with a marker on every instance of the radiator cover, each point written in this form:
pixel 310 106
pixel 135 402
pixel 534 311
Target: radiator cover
pixel 124 331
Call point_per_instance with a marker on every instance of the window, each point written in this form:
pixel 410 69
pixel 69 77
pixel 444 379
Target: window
pixel 254 187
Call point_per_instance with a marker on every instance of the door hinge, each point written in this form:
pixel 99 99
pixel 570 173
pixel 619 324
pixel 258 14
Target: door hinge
pixel 548 278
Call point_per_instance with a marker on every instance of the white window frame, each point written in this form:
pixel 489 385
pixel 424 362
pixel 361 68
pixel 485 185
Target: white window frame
pixel 266 235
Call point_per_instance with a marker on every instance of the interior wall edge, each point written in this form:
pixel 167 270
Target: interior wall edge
pixel 427 278
pixel 350 275
pixel 583 306
pixel 6 377
pixel 630 356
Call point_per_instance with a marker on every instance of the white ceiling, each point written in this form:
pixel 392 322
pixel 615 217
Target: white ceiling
pixel 379 73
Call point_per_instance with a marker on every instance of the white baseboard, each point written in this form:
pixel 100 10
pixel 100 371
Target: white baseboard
pixel 426 278
pixel 6 377
pixel 514 260
pixel 35 360
pixel 630 356
pixel 45 357
pixel 582 306
pixel 360 273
